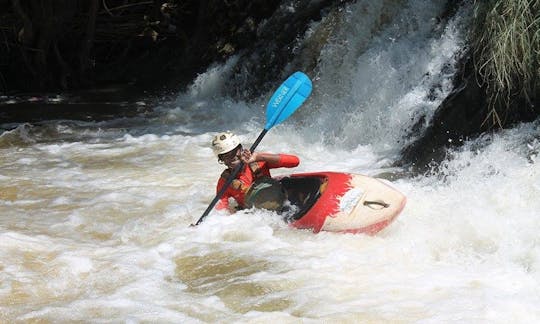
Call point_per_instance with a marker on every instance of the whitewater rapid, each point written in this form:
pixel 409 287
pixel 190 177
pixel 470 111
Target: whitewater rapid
pixel 94 216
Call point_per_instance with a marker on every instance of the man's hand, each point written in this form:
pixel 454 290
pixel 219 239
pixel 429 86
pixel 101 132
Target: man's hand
pixel 248 157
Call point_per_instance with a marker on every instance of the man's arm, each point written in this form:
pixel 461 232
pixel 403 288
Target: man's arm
pixel 273 160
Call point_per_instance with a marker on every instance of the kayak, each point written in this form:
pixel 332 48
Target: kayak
pixel 340 202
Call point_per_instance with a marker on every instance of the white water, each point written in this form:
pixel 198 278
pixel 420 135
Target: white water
pixel 94 216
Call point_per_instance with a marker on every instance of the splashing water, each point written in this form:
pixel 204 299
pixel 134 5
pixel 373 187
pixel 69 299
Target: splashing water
pixel 94 216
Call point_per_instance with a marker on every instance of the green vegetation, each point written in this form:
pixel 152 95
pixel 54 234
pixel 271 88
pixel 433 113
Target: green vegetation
pixel 81 44
pixel 506 47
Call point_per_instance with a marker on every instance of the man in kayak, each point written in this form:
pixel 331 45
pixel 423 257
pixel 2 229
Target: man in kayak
pixel 253 186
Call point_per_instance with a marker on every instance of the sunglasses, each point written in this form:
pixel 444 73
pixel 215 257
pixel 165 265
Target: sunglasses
pixel 229 157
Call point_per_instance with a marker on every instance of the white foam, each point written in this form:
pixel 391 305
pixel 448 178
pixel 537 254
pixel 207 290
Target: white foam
pixel 76 264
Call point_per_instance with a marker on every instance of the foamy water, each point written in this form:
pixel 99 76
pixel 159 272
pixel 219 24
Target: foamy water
pixel 94 217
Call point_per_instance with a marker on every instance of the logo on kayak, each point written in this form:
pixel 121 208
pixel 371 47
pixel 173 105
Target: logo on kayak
pixel 280 96
pixel 350 199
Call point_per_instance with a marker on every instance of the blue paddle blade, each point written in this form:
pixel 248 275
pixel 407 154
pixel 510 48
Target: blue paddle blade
pixel 287 98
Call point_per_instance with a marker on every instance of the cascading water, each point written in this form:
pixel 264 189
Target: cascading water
pixel 94 215
pixel 386 76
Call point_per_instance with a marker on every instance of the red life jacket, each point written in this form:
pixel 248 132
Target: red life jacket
pixel 246 176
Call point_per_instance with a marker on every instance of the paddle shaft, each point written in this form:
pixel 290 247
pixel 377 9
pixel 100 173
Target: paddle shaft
pixel 231 178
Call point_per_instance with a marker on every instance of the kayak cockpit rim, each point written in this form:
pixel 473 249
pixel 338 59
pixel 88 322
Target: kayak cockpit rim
pixel 303 192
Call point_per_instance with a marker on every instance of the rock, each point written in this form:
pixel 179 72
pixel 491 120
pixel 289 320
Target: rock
pixel 463 115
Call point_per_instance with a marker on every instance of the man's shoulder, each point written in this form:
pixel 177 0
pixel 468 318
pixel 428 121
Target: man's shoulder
pixel 226 173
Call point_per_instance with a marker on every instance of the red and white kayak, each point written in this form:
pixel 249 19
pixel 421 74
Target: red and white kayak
pixel 341 202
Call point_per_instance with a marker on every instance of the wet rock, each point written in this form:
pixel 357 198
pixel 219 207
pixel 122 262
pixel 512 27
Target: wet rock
pixel 464 115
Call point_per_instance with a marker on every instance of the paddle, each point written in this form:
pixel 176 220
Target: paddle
pixel 283 103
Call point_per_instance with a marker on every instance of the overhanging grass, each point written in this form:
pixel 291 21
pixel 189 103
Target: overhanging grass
pixel 506 47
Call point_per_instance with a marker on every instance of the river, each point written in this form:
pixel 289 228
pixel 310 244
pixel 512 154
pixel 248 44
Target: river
pixel 95 215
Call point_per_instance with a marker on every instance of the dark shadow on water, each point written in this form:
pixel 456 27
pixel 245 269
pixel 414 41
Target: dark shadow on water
pixel 88 105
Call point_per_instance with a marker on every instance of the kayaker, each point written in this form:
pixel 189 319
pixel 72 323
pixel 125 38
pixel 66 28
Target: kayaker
pixel 253 186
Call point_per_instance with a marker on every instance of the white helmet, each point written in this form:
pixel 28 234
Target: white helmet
pixel 224 142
